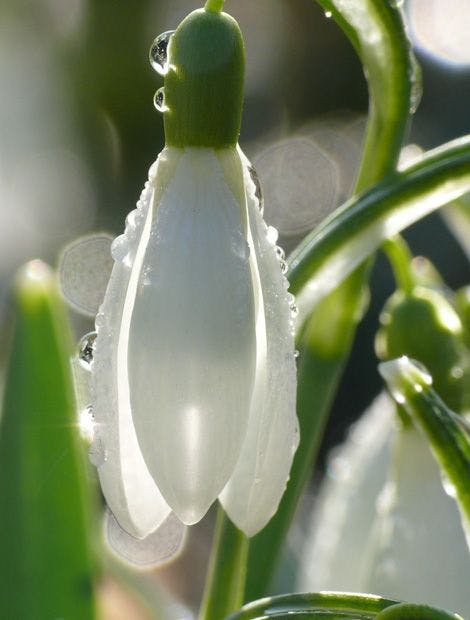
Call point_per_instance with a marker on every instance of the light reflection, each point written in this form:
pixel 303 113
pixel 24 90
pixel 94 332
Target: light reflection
pixel 441 28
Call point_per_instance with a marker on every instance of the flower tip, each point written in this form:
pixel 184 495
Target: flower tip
pixel 34 282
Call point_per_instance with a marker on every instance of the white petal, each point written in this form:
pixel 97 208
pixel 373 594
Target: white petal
pixel 254 490
pixel 417 547
pixel 332 556
pixel 190 319
pixel 158 548
pixel 129 489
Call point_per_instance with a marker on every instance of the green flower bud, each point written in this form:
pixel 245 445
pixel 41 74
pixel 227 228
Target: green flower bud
pixel 204 82
pixel 423 325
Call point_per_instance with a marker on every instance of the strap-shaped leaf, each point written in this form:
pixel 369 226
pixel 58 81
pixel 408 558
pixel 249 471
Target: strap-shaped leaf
pixel 355 230
pixel 44 540
pixel 447 433
pixel 336 606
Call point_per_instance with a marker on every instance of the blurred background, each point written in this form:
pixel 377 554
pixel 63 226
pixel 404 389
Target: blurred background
pixel 78 132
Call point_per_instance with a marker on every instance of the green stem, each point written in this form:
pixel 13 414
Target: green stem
pixel 400 257
pixel 225 582
pixel 387 60
pixel 408 611
pixel 214 5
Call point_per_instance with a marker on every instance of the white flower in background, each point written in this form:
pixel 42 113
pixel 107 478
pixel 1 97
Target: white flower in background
pixel 193 372
pixel 383 522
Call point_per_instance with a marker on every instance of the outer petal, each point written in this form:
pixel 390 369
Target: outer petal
pixel 254 491
pixel 188 333
pixel 129 489
pixel 333 556
pixel 154 550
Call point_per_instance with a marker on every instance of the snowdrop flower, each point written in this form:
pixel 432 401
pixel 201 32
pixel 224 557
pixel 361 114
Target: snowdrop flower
pixel 193 373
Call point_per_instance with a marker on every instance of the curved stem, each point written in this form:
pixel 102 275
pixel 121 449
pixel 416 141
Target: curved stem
pixel 400 257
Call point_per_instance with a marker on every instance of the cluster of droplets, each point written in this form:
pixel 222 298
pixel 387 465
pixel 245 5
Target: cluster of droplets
pixel 158 56
pixel 124 247
pixel 86 418
pixel 258 192
pixel 272 236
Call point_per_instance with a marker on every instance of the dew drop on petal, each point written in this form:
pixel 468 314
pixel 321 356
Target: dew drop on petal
pixel 159 100
pixel 155 549
pixel 86 349
pixel 272 235
pixel 158 54
pixel 257 183
pixel 87 424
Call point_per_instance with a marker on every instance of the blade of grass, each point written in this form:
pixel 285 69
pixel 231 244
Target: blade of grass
pixel 449 438
pixel 46 569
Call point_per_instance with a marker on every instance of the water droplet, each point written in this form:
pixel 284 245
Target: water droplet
pixel 159 100
pixel 280 253
pixel 158 54
pixel 272 235
pixel 86 348
pixel 258 191
pixel 284 267
pixel 294 311
pixel 87 424
pixel 328 14
pixel 296 353
pixel 119 248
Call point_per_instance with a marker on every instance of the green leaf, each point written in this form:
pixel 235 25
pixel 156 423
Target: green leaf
pixel 457 217
pixel 44 539
pixel 336 606
pixel 447 433
pixel 357 229
pixel 375 29
pixel 328 605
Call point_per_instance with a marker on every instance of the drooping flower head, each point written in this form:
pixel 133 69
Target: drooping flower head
pixel 193 375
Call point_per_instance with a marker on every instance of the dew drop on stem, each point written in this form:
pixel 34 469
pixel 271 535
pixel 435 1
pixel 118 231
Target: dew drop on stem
pixel 158 54
pixel 159 100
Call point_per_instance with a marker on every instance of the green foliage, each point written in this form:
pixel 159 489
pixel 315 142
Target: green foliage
pixel 448 436
pixel 44 521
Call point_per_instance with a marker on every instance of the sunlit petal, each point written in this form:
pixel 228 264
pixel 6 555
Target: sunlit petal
pixel 254 490
pixel 129 489
pixel 190 324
